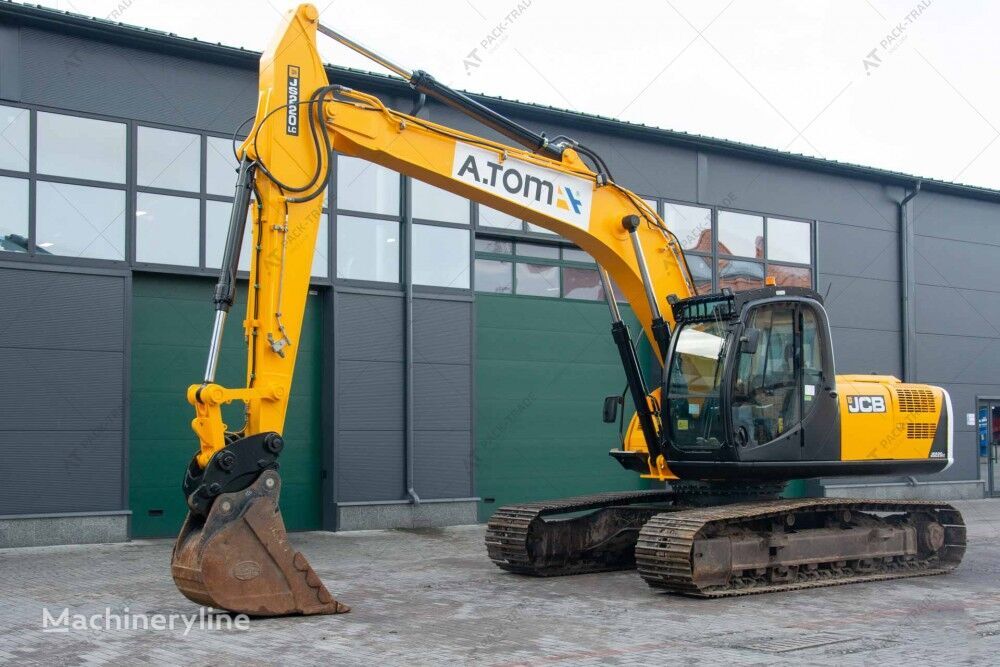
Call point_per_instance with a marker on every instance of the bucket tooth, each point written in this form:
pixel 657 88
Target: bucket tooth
pixel 238 558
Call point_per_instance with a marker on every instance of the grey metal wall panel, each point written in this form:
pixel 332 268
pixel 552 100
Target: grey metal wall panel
pixel 84 75
pixel 951 217
pixel 10 62
pixel 866 351
pixel 369 395
pixel 964 264
pixel 952 311
pixel 369 327
pixel 441 332
pixel 850 250
pixel 444 467
pixel 49 310
pixel 948 359
pixel 441 397
pixel 783 191
pixel 861 303
pixel 62 355
pixel 61 390
pixel 371 466
pixel 50 471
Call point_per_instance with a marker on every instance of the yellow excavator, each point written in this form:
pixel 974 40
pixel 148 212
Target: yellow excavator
pixel 748 398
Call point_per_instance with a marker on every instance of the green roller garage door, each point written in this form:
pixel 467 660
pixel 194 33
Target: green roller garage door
pixel 171 324
pixel 543 367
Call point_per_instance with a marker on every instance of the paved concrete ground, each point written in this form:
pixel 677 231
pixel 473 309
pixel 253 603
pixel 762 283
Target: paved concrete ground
pixel 431 597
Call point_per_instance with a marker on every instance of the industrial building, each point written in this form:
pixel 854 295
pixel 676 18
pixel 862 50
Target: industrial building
pixel 454 359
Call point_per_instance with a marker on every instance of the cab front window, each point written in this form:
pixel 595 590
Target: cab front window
pixel 695 419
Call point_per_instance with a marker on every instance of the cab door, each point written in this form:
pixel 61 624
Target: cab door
pixel 781 390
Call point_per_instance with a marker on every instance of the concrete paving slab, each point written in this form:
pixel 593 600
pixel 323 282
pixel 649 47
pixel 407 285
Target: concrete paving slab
pixel 430 596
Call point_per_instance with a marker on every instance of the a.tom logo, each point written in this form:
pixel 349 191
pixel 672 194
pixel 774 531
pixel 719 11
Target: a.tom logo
pixel 866 403
pixel 292 111
pixel 553 193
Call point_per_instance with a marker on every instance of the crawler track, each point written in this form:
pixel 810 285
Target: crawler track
pixel 785 545
pixel 519 539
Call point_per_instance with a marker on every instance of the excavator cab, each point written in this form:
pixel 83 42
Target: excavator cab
pixel 750 379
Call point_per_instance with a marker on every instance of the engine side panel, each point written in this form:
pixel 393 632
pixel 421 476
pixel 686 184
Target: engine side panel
pixel 884 419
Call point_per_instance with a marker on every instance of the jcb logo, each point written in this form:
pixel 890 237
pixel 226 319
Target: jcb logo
pixel 866 403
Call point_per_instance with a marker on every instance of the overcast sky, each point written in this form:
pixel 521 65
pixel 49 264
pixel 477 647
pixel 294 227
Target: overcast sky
pixel 908 85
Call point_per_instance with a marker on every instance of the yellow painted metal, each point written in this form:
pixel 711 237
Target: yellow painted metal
pixel 359 125
pixel 890 435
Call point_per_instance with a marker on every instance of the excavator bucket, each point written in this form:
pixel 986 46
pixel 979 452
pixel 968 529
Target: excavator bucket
pixel 238 558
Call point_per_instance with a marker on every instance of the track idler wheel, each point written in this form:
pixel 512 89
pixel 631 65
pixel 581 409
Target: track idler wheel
pixel 238 558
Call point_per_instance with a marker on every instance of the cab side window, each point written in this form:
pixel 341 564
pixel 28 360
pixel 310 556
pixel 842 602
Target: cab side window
pixel 812 359
pixel 765 395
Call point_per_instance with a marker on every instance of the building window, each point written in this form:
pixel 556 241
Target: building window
pixel 367 249
pixel 14 222
pixel 506 266
pixel 440 256
pixel 84 148
pixel 692 225
pixel 789 241
pixel 366 187
pixel 581 284
pixel 14 143
pixel 754 247
pixel 490 217
pixel 80 221
pixel 739 276
pixel 495 276
pixel 168 160
pixel 165 227
pixel 537 279
pixel 220 167
pixel 431 203
pixel 741 235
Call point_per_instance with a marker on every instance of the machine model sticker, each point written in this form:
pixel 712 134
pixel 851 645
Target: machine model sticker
pixel 558 195
pixel 866 403
pixel 292 110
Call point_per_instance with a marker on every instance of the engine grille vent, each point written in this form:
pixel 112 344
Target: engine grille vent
pixel 920 431
pixel 915 400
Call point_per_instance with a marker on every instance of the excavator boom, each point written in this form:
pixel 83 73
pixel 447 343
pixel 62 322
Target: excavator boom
pixel 232 552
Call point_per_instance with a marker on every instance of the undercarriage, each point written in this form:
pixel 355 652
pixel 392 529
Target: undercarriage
pixel 722 540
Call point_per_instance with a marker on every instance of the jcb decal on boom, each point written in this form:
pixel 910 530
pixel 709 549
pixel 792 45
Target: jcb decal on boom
pixel 553 193
pixel 866 403
pixel 292 111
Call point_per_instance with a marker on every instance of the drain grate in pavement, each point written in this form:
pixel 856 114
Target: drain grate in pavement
pixel 797 642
